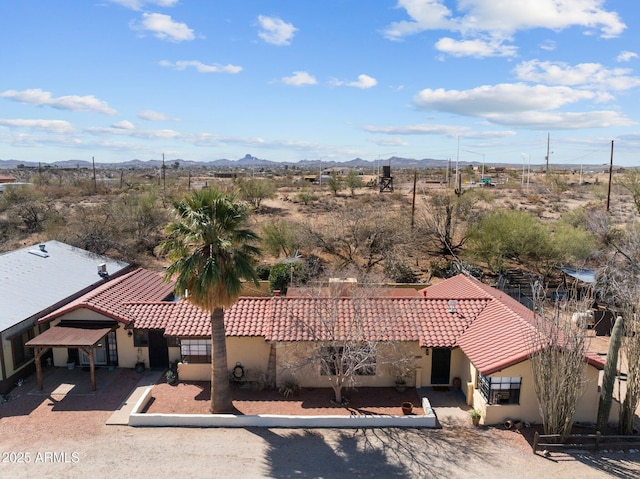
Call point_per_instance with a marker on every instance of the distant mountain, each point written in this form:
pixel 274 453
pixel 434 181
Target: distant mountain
pixel 250 161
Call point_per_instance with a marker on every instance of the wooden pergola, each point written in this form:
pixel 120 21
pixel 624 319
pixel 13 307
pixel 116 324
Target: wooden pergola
pixel 68 337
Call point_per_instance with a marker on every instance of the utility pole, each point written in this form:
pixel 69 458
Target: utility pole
pixel 610 176
pixel 413 202
pixel 458 187
pixel 95 185
pixel 547 157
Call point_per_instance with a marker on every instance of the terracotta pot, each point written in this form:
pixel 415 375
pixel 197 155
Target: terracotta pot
pixel 407 408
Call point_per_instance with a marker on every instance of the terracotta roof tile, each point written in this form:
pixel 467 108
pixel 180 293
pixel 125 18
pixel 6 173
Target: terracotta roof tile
pixel 492 329
pixel 110 298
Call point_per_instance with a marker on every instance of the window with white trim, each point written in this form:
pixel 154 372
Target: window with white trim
pixel 500 390
pixel 195 350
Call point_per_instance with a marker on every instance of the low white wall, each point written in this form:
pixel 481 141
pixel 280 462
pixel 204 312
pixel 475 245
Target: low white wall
pixel 138 419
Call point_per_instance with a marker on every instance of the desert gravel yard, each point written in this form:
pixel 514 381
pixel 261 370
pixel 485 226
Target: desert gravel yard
pixel 61 433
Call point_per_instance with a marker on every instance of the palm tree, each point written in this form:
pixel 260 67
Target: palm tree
pixel 211 253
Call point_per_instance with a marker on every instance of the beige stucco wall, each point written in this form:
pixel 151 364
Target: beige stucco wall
pixel 293 362
pixel 527 410
pixel 194 372
pixel 251 352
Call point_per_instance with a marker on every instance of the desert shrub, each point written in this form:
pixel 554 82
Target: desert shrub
pixel 281 275
pixel 399 272
pixel 263 271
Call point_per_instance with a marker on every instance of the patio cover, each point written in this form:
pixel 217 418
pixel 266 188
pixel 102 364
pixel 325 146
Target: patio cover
pixel 68 337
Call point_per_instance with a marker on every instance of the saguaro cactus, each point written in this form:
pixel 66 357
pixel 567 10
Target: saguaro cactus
pixel 610 370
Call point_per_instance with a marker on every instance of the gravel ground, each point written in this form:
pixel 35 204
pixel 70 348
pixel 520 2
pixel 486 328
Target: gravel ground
pixel 58 436
pixel 195 398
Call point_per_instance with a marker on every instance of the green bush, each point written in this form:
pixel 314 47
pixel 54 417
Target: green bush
pixel 263 271
pixel 281 276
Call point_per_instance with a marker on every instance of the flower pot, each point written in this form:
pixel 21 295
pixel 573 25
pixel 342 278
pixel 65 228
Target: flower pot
pixel 401 387
pixel 407 408
pixel 71 365
pixel 139 367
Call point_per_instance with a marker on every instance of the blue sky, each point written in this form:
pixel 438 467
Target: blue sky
pixel 330 80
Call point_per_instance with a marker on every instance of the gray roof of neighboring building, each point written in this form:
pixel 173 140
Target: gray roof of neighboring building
pixel 34 279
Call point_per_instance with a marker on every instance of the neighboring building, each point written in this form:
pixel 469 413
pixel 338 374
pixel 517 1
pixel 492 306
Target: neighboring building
pixel 6 178
pixel 34 281
pixel 460 331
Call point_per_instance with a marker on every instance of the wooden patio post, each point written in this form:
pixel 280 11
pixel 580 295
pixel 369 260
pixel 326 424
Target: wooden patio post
pixel 38 354
pixel 92 367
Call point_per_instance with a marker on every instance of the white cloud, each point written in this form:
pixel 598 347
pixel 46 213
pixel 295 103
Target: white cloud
pixel 201 67
pixel 626 56
pixel 276 31
pixel 475 19
pixel 124 125
pixel 586 75
pixel 164 27
pixel 40 97
pixel 478 48
pixel 165 134
pixel 503 98
pixel 520 105
pixel 139 4
pixel 444 130
pixel 364 82
pixel 548 45
pixel 151 115
pixel 393 141
pixel 425 15
pixel 299 78
pixel 51 126
pixel 489 16
pixel 544 120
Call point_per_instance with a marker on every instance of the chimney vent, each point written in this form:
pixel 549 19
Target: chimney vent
pixel 102 270
pixel 452 305
pixel 43 247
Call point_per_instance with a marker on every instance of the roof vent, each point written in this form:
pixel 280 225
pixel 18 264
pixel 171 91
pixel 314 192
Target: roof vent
pixel 42 252
pixel 102 270
pixel 43 247
pixel 452 305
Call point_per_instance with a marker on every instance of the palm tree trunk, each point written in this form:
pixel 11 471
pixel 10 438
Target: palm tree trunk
pixel 220 389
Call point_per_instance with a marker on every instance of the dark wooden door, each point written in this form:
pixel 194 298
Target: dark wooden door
pixel 440 365
pixel 158 350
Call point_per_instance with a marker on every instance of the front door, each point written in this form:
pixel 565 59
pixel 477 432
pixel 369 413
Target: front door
pixel 440 365
pixel 158 350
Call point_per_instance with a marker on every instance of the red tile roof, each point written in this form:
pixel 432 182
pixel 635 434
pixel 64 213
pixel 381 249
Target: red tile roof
pixel 109 299
pixel 493 330
pixel 177 319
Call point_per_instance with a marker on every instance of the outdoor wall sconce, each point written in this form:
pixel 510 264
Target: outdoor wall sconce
pixel 426 352
pixel 129 333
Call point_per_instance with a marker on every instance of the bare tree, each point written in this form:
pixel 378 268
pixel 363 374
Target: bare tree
pixel 630 181
pixel 343 336
pixel 358 236
pixel 444 223
pixel 558 347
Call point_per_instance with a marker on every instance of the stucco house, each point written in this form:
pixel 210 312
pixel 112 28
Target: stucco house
pixel 34 281
pixel 457 332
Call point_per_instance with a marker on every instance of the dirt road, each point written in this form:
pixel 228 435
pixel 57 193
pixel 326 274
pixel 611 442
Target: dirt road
pixel 117 451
